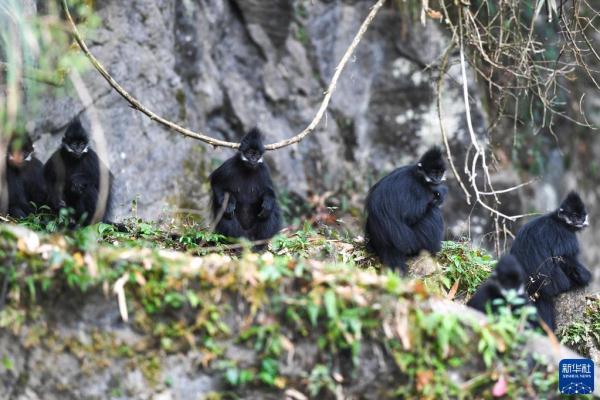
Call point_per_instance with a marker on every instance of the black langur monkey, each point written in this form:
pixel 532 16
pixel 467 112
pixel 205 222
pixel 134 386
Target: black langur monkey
pixel 25 178
pixel 548 250
pixel 505 287
pixel 403 211
pixel 73 176
pixel 251 209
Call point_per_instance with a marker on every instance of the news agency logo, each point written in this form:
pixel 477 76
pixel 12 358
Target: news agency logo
pixel 576 376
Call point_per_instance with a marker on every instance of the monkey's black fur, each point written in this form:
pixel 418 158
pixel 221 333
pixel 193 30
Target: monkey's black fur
pixel 25 178
pixel 73 175
pixel 403 211
pixel 548 250
pixel 252 210
pixel 494 292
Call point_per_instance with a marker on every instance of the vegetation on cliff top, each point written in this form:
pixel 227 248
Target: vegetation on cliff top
pixel 185 288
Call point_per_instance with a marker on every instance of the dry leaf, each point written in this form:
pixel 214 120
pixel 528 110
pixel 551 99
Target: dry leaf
pixel 119 290
pixel 78 259
pixel 434 14
pixel 92 266
pixel 453 290
pixel 337 377
pixel 423 379
pixel 401 319
pixel 139 278
pixel 293 394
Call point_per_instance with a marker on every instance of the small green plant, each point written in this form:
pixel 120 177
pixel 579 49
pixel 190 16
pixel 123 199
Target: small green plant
pixel 320 381
pixel 584 334
pixel 468 265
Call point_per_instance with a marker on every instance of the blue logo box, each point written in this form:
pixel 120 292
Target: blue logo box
pixel 576 376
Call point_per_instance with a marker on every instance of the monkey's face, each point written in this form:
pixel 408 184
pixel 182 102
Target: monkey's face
pixel 511 280
pixel 575 220
pixel 572 212
pixel 433 175
pixel 76 148
pixel 432 167
pixel 18 157
pixel 252 158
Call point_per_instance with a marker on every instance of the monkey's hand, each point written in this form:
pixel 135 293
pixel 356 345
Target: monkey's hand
pixel 78 187
pixel 266 208
pixel 230 209
pixel 78 184
pixel 577 272
pixel 439 195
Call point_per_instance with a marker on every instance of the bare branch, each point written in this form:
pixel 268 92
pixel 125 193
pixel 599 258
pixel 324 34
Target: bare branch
pixel 338 71
pixel 507 190
pixel 443 129
pixel 220 213
pixel 136 104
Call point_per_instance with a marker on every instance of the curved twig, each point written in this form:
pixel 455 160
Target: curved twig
pixel 136 104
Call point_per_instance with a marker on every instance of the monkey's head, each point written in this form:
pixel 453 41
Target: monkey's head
pixel 251 149
pixel 431 167
pixel 572 212
pixel 20 151
pixel 75 142
pixel 510 275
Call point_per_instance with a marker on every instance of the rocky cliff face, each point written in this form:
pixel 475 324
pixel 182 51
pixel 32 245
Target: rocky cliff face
pixel 224 67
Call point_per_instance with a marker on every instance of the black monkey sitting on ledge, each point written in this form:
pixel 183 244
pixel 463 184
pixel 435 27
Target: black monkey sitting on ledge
pixel 548 250
pixel 73 176
pixel 25 178
pixel 403 211
pixel 251 210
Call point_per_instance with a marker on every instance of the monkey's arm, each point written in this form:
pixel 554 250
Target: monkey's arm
pixel 54 185
pixel 430 230
pixel 17 212
pixel 268 204
pixel 576 271
pixel 404 238
pixel 219 199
